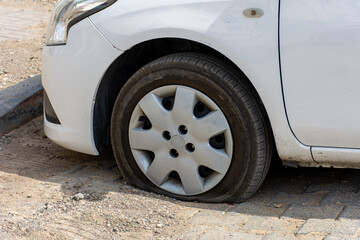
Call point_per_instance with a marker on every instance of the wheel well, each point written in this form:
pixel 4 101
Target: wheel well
pixel 126 65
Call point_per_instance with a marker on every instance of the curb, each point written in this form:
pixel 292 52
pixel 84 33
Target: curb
pixel 20 104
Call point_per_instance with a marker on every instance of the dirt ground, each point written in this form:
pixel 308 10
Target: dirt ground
pixel 22 38
pixel 48 192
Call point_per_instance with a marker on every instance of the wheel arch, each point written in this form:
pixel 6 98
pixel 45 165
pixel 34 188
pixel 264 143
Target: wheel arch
pixel 132 60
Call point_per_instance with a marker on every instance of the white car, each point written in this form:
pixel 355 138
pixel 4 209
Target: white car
pixel 196 96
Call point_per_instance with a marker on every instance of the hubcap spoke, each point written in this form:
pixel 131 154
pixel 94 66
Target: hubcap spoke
pixel 214 159
pixel 154 110
pixel 160 169
pixel 141 139
pixel 212 124
pixel 185 100
pixel 190 177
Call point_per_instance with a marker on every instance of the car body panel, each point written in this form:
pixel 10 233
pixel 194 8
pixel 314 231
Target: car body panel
pixel 336 157
pixel 71 75
pixel 250 43
pixel 320 59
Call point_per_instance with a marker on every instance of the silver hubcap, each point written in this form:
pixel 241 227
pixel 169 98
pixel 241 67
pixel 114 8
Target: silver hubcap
pixel 181 140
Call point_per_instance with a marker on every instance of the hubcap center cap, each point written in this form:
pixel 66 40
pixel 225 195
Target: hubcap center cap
pixel 177 142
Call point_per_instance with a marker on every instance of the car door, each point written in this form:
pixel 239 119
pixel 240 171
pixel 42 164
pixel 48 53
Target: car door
pixel 320 67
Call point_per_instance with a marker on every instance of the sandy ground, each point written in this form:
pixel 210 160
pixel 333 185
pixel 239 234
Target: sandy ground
pixel 48 192
pixel 20 54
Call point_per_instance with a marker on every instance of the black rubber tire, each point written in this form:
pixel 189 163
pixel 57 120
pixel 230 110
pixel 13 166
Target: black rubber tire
pixel 252 136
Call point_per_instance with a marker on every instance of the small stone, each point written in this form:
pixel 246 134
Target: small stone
pixel 159 225
pixel 48 206
pixel 78 197
pixel 277 205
